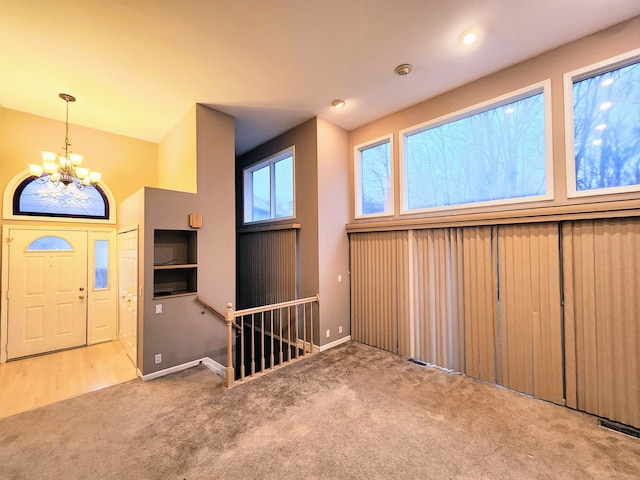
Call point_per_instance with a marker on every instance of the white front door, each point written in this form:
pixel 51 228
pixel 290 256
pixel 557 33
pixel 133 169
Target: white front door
pixel 128 291
pixel 47 289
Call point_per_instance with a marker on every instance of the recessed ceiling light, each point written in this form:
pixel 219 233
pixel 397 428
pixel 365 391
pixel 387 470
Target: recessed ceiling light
pixel 403 69
pixel 338 103
pixel 469 37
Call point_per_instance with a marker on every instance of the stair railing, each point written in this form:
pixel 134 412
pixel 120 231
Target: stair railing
pixel 268 337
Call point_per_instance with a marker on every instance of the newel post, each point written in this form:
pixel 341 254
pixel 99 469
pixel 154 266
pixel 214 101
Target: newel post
pixel 230 317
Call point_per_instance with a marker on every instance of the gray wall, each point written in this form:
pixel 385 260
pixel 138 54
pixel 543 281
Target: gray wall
pixel 304 138
pixel 322 210
pixel 181 333
pixel 333 244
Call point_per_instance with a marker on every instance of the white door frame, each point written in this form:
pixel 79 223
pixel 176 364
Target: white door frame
pixel 4 311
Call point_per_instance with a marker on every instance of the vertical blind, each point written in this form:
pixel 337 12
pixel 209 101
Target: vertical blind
pixel 601 261
pixel 266 267
pixel 530 359
pixel 379 290
pixel 488 301
pixel 481 302
pixel 437 306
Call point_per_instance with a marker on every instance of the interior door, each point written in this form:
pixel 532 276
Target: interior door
pixel 47 291
pixel 128 291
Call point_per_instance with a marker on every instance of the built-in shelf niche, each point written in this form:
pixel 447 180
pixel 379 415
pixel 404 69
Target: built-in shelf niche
pixel 175 263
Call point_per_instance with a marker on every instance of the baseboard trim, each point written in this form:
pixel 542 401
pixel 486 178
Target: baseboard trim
pixel 340 341
pixel 208 362
pixel 215 367
pixel 218 368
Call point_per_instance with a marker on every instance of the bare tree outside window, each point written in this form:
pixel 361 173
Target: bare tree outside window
pixel 606 113
pixel 375 179
pixel 491 155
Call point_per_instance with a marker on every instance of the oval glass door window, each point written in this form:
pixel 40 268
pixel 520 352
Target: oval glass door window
pixel 49 243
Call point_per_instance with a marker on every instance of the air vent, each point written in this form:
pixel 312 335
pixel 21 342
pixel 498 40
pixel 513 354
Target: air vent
pixel 619 427
pixel 419 362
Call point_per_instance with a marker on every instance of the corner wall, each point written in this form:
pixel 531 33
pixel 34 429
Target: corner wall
pixel 177 156
pixel 304 137
pixel 322 210
pixel 184 331
pixel 333 244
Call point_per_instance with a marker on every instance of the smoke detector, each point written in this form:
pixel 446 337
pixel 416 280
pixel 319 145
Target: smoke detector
pixel 403 69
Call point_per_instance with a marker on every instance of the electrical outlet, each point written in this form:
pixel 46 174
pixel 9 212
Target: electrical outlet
pixel 340 329
pixel 328 333
pixel 158 358
pixel 158 310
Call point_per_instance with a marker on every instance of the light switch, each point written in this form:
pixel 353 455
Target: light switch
pixel 159 308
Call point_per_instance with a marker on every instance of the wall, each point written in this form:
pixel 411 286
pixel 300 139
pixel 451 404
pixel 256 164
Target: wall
pixel 182 332
pixel 333 244
pixel 177 156
pixel 126 164
pixel 216 195
pixel 322 210
pixel 552 65
pixel 304 137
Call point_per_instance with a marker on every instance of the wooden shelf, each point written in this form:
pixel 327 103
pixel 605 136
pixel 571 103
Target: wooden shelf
pixel 172 295
pixel 175 269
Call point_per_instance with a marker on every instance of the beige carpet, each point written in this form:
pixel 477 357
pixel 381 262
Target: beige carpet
pixel 351 412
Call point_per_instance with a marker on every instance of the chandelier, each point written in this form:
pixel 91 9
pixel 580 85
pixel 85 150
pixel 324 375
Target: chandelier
pixel 64 169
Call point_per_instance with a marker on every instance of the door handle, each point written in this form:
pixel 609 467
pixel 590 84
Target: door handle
pixel 81 297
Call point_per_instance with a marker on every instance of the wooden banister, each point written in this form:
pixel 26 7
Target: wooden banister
pixel 215 312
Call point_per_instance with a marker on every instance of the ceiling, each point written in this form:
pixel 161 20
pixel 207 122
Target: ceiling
pixel 137 66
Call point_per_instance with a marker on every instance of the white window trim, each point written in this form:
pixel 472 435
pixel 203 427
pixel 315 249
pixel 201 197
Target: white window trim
pixel 357 174
pixel 7 205
pixel 568 79
pixel 543 87
pixel 247 185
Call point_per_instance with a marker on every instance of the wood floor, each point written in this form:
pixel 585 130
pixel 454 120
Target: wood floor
pixel 37 381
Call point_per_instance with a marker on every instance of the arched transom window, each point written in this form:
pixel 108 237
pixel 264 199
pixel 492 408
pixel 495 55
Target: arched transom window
pixel 33 197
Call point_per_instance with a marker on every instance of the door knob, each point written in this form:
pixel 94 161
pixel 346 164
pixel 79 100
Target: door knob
pixel 81 297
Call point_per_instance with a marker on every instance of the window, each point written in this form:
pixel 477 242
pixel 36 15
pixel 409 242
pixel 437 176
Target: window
pixel 33 197
pixel 493 153
pixel 268 188
pixel 101 264
pixel 373 177
pixel 604 113
pixel 49 243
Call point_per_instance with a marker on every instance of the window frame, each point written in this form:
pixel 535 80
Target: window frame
pixel 569 78
pixel 357 176
pixel 17 194
pixel 18 180
pixel 247 185
pixel 544 88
